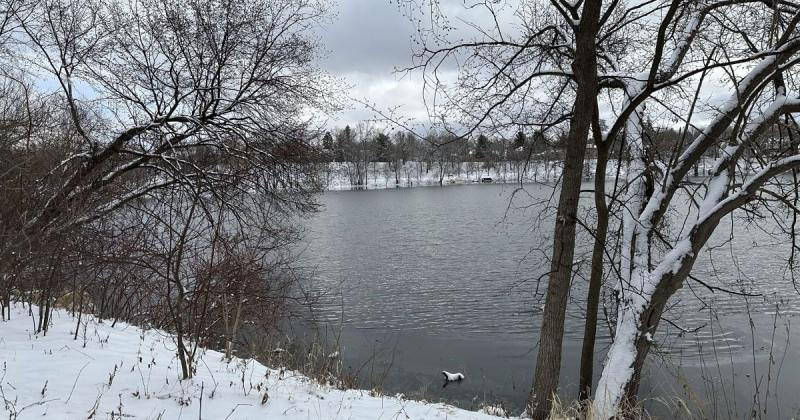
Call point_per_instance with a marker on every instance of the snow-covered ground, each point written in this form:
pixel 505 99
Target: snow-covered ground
pixel 126 372
pixel 381 175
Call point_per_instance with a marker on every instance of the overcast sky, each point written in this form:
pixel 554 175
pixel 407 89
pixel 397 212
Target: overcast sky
pixel 366 41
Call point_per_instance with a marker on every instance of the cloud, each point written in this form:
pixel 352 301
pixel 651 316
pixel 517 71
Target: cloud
pixel 367 41
pixel 369 35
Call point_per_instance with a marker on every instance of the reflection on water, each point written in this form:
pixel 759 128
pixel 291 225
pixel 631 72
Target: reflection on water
pixel 429 279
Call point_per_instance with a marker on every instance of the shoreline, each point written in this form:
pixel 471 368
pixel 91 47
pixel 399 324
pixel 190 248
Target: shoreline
pixel 126 370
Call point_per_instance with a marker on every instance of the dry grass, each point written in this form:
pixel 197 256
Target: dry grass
pixel 578 411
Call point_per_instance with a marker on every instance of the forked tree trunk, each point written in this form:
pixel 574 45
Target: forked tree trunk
pixel 641 304
pixel 548 363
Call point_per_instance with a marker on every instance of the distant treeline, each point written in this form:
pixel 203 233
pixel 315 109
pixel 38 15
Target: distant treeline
pixel 347 145
pixel 364 144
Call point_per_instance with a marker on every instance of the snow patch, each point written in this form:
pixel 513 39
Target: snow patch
pixel 125 371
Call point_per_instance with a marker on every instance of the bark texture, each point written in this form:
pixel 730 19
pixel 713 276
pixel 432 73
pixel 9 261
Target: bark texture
pixel 548 362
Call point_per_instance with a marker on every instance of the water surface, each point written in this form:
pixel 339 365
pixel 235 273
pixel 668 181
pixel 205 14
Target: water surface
pixel 421 280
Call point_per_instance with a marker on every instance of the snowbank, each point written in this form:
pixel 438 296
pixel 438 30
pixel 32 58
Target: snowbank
pixel 126 372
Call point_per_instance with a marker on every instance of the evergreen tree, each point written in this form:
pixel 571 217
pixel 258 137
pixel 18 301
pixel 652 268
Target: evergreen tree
pixel 327 141
pixel 482 148
pixel 383 147
pixel 344 138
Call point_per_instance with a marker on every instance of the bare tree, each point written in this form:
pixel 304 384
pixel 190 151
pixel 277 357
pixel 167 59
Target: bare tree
pixel 556 54
pixel 650 60
pixel 153 89
pixel 548 362
pixel 189 115
pixel 649 277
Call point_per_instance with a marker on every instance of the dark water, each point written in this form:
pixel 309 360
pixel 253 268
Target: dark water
pixel 429 279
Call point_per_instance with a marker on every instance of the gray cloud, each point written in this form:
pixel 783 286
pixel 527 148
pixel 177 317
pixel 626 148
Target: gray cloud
pixel 366 41
pixel 368 35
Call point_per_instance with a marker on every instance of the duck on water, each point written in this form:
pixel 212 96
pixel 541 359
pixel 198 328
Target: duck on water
pixel 451 377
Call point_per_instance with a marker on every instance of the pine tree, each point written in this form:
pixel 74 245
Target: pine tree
pixel 327 141
pixel 383 147
pixel 344 138
pixel 482 148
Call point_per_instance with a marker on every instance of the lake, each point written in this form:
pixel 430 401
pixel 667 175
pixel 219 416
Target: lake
pixel 420 280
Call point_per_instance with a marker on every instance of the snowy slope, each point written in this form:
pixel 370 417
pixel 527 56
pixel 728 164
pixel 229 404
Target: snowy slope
pixel 125 372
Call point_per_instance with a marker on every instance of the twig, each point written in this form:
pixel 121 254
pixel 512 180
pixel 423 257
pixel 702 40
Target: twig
pixel 76 382
pixel 714 288
pixel 234 409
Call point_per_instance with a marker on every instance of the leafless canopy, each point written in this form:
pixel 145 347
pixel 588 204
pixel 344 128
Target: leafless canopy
pixel 209 95
pixel 662 62
pixel 139 131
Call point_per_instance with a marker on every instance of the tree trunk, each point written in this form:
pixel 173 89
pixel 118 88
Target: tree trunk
pixel 619 384
pixel 548 363
pixel 186 369
pixel 596 277
pixel 641 305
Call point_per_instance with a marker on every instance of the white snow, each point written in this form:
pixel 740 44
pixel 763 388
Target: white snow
pixel 717 187
pixel 637 284
pixel 126 372
pixel 380 175
pixel 618 366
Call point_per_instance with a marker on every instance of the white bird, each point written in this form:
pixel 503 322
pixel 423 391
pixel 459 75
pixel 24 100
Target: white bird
pixel 452 377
